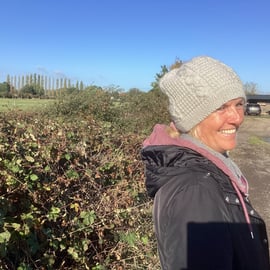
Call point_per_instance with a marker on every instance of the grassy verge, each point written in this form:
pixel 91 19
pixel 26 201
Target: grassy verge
pixel 254 140
pixel 24 104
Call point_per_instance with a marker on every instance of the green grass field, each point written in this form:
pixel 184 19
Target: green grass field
pixel 7 104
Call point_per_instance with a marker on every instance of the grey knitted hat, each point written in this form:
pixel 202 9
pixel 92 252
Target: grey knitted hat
pixel 198 88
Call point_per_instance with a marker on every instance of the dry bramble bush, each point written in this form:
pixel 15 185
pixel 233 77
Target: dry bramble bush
pixel 72 196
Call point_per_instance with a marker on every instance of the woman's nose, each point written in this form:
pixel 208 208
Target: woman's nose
pixel 235 114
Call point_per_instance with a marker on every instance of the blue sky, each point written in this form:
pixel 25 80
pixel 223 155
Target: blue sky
pixel 124 43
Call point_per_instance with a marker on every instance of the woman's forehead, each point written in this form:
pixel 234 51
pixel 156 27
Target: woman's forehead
pixel 235 100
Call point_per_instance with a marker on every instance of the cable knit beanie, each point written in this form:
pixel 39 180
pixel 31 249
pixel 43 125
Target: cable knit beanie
pixel 198 88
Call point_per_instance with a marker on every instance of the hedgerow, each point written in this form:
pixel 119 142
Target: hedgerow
pixel 132 112
pixel 72 196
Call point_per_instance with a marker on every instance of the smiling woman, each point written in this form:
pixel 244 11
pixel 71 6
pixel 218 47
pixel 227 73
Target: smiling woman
pixel 218 130
pixel 202 214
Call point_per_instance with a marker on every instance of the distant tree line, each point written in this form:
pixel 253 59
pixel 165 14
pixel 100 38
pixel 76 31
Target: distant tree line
pixel 42 86
pixel 36 85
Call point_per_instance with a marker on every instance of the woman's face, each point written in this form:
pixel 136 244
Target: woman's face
pixel 218 130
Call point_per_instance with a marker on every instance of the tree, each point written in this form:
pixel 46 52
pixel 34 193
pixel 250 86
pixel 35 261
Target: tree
pixel 61 83
pixel 50 83
pixel 177 64
pixel 31 79
pixel 57 84
pixel 250 88
pixel 8 79
pixel 81 85
pixel 4 89
pixel 19 86
pixel 27 80
pixel 34 78
pixel 65 83
pixel 45 82
pixel 22 82
pixel 39 80
pixel 164 69
pixel 15 82
pixel 31 90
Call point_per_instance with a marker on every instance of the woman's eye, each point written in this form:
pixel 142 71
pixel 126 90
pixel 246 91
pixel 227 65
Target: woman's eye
pixel 240 104
pixel 223 107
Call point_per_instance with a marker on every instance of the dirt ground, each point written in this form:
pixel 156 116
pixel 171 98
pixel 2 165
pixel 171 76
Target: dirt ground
pixel 252 155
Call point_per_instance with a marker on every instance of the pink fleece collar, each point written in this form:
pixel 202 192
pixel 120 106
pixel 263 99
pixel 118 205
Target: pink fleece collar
pixel 160 136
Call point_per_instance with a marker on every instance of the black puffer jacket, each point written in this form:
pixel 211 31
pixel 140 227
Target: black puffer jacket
pixel 199 221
